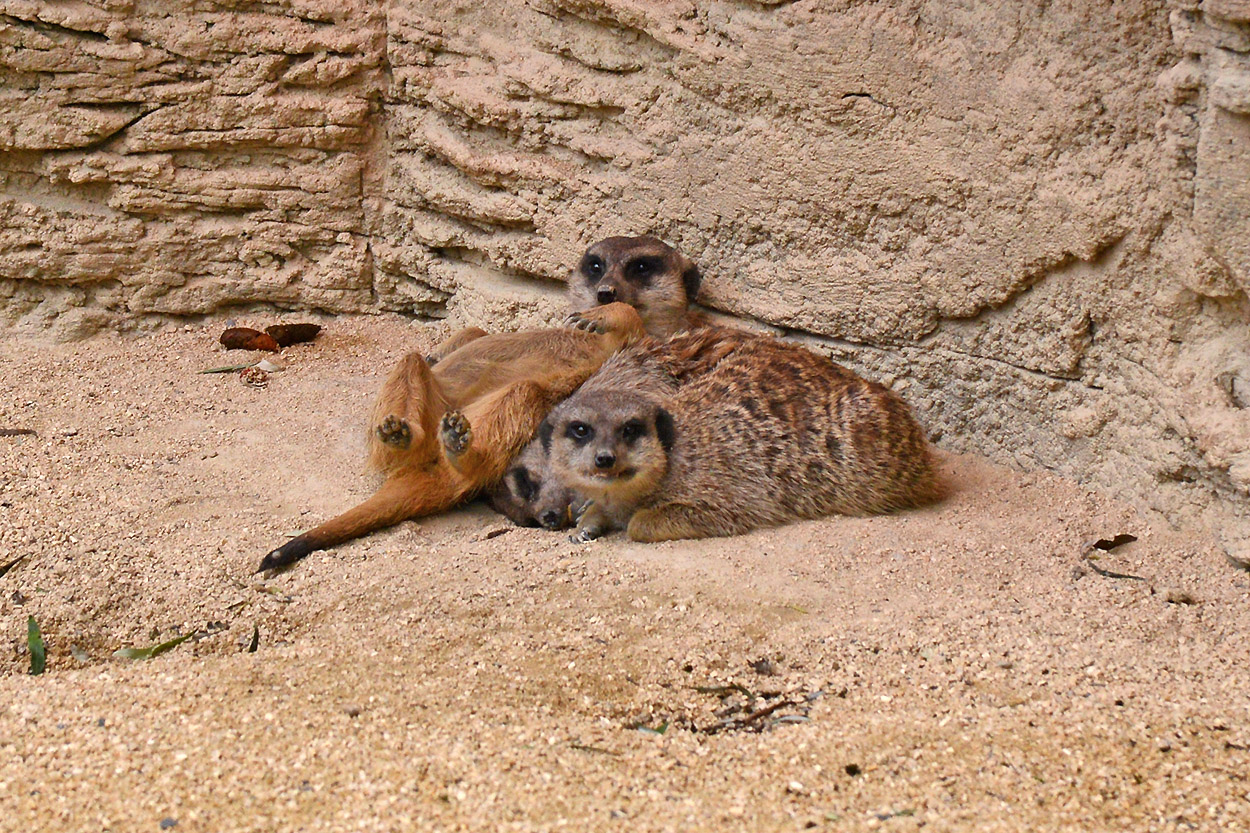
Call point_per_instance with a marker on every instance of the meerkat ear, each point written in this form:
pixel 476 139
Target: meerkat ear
pixel 544 434
pixel 664 428
pixel 690 278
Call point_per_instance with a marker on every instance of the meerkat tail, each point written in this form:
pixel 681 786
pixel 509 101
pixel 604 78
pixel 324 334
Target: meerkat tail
pixel 405 495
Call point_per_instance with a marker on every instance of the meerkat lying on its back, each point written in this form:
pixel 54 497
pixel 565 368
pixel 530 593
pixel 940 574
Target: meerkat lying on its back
pixel 644 272
pixel 771 433
pixel 444 433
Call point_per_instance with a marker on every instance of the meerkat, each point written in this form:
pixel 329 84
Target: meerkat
pixel 530 494
pixel 444 433
pixel 772 433
pixel 644 272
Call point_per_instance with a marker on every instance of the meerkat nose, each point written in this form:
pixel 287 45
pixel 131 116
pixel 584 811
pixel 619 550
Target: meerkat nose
pixel 550 519
pixel 605 294
pixel 605 460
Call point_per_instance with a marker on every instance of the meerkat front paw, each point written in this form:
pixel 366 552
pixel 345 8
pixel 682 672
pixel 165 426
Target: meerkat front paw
pixel 455 433
pixel 395 431
pixel 578 512
pixel 591 523
pixel 578 321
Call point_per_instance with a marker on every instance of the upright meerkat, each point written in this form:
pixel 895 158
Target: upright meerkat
pixel 771 433
pixel 644 272
pixel 443 433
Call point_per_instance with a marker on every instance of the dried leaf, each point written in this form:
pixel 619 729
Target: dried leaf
pixel 287 334
pixel 245 338
pixel 229 368
pixel 4 568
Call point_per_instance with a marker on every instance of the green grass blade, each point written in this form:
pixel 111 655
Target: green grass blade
pixel 152 651
pixel 38 651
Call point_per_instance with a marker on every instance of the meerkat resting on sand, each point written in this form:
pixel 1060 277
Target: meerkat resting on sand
pixel 443 433
pixel 644 272
pixel 530 493
pixel 770 433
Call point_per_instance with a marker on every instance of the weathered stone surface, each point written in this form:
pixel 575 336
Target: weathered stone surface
pixel 188 156
pixel 1032 218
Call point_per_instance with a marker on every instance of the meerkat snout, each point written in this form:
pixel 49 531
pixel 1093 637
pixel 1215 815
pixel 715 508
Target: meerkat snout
pixel 605 295
pixel 605 460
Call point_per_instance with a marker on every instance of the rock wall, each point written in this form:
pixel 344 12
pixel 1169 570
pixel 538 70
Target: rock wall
pixel 1031 218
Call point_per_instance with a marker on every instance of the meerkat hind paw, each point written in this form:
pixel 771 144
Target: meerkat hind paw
pixel 395 431
pixel 455 432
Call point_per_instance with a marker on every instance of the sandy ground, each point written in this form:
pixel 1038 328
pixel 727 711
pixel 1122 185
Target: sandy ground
pixel 956 668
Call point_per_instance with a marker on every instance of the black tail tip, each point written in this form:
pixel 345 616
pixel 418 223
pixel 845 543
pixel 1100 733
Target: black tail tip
pixel 287 554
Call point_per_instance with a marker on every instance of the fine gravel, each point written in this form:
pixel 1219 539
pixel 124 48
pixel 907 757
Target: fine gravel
pixel 961 667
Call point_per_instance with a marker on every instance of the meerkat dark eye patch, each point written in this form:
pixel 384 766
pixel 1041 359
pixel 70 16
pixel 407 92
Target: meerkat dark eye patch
pixel 579 432
pixel 641 270
pixel 523 483
pixel 592 267
pixel 632 430
pixel 664 429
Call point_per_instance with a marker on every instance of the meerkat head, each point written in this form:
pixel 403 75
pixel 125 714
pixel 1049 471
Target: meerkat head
pixel 644 272
pixel 530 494
pixel 609 444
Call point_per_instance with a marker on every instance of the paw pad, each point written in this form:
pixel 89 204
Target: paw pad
pixel 455 432
pixel 395 431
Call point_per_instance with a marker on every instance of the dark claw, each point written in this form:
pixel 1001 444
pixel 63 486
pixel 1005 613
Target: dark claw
pixel 580 511
pixel 583 536
pixel 578 322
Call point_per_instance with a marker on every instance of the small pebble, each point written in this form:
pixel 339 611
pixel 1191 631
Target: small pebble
pixel 764 666
pixel 1178 597
pixel 254 377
